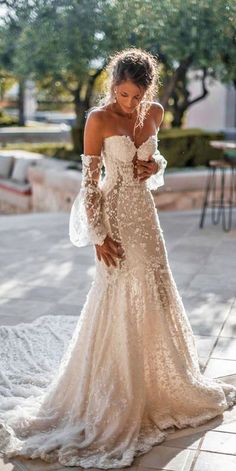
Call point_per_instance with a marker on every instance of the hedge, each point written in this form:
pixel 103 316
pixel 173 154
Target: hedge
pixel 188 147
pixel 6 120
pixel 180 147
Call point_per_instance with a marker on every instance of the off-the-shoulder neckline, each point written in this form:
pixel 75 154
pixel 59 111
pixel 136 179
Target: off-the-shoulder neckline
pixel 153 136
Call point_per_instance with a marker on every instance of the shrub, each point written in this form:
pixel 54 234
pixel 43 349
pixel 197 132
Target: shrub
pixel 180 147
pixel 188 147
pixel 6 120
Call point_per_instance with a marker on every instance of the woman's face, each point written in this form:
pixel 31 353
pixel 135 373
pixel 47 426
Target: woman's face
pixel 128 95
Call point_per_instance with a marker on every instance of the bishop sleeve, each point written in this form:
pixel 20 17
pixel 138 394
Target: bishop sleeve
pixel 157 179
pixel 86 225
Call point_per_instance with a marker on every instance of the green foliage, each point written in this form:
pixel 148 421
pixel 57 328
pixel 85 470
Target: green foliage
pixel 62 151
pixel 181 148
pixel 188 147
pixel 66 43
pixel 62 38
pixel 6 120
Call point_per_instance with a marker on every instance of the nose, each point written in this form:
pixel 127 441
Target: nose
pixel 130 103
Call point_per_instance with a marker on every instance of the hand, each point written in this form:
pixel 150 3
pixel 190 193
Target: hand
pixel 146 168
pixel 109 250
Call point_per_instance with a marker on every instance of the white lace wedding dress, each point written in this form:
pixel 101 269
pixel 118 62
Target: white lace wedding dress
pixel 130 373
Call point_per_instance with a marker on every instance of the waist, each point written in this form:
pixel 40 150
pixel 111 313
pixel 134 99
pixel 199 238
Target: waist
pixel 111 182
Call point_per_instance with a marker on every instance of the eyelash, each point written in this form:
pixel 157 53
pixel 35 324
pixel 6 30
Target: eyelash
pixel 137 98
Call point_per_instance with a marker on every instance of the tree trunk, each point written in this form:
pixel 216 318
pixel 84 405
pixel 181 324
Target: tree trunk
pixel 21 102
pixel 78 129
pixel 81 107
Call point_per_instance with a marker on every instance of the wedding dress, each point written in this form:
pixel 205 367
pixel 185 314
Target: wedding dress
pixel 130 373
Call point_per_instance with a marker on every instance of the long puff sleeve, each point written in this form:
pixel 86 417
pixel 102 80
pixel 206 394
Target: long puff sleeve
pixel 86 223
pixel 157 179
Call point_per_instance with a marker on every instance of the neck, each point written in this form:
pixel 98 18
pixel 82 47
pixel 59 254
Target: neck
pixel 117 108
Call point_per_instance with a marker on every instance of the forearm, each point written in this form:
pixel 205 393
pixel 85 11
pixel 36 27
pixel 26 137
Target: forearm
pixel 86 218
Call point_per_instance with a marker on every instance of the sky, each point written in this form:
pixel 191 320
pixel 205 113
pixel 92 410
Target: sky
pixel 2 12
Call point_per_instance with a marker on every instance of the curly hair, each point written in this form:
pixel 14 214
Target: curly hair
pixel 139 66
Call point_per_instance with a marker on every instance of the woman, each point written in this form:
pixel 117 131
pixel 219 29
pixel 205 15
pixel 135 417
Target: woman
pixel 131 372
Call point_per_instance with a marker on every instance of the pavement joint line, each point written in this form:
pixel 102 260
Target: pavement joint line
pixel 202 263
pixel 217 452
pixel 223 431
pixel 20 466
pixel 199 450
pixel 223 359
pixel 194 233
pixel 218 336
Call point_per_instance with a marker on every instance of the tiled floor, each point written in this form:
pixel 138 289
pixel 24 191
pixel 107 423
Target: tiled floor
pixel 42 273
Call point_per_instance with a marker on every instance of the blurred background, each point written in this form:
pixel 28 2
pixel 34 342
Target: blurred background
pixel 53 55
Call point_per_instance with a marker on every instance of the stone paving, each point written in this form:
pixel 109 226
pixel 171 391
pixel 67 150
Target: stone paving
pixel 42 273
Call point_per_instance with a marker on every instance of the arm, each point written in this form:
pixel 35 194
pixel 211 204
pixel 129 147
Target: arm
pixel 157 178
pixel 86 226
pixel 153 169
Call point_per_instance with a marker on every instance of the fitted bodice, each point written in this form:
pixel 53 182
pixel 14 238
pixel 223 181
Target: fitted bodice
pixel 102 196
pixel 118 153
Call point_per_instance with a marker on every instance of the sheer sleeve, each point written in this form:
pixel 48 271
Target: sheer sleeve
pixel 86 225
pixel 157 179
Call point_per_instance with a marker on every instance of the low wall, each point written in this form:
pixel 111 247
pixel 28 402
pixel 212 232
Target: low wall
pixel 54 189
pixel 13 134
pixel 185 189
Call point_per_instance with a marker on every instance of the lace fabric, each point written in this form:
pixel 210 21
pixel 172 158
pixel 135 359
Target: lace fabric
pixel 157 179
pixel 86 226
pixel 130 374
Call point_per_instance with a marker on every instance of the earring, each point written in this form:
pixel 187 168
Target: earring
pixel 114 97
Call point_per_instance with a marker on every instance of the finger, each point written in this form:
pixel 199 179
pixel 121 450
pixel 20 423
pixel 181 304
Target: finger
pixel 114 248
pixel 143 164
pixel 121 251
pixel 112 261
pixel 144 174
pixel 114 243
pixel 97 252
pixel 105 259
pixel 114 255
pixel 111 251
pixel 118 253
pixel 143 179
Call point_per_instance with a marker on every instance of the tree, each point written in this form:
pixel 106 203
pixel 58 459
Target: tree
pixel 186 35
pixel 70 43
pixel 12 26
pixel 57 40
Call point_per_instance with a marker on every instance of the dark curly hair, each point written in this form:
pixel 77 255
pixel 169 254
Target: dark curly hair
pixel 139 66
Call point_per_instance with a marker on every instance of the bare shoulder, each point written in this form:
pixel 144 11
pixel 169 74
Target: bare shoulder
pixel 95 117
pixel 157 111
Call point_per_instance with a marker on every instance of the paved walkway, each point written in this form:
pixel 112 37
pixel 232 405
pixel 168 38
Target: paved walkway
pixel 42 273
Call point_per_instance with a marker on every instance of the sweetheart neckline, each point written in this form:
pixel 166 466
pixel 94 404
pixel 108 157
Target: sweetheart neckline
pixel 129 138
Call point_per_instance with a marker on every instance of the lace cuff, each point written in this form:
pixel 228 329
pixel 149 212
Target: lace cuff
pixel 86 225
pixel 157 179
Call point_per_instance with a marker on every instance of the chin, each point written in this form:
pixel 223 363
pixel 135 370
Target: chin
pixel 127 110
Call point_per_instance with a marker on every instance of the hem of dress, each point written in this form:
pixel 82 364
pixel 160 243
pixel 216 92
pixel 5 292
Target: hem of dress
pixel 144 443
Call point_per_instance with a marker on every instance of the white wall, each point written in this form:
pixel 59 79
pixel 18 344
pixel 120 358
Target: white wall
pixel 209 113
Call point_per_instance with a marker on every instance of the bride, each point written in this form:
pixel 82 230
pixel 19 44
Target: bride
pixel 130 375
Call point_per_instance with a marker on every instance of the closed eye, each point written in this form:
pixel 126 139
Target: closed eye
pixel 125 96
